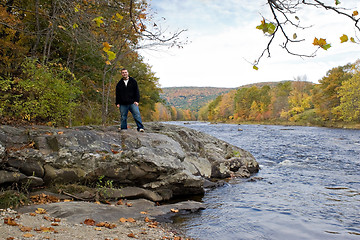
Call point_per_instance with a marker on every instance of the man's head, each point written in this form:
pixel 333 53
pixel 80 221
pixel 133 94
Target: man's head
pixel 125 73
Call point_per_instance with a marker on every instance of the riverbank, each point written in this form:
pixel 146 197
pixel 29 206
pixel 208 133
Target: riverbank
pixel 344 125
pixel 81 220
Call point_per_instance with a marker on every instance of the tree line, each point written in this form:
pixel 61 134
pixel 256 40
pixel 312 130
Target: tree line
pixel 335 100
pixel 60 60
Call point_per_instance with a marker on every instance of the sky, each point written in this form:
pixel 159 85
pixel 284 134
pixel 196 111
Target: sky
pixel 223 42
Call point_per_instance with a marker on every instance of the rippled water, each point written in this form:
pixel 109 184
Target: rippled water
pixel 309 186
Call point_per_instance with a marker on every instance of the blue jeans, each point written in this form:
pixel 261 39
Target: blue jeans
pixel 124 110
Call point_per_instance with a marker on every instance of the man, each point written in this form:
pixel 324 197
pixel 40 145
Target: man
pixel 127 99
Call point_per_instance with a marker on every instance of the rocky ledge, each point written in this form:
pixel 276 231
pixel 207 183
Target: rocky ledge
pixel 166 161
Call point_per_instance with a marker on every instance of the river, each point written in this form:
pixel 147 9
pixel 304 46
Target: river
pixel 308 186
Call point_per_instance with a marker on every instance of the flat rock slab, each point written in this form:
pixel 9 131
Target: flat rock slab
pixel 77 212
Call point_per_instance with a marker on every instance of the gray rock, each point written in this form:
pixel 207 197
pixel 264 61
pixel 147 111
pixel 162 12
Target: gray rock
pixel 167 160
pixel 9 177
pixel 131 193
pixel 77 212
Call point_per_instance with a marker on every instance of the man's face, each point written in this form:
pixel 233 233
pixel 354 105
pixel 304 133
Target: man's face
pixel 125 74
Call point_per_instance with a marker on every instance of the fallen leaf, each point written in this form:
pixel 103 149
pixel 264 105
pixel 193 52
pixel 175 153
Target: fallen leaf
pixel 54 224
pixel 90 222
pixel 119 202
pixel 10 221
pixel 28 235
pixel 131 220
pixel 114 151
pixel 143 212
pixel 152 226
pixel 122 220
pixel 60 133
pixel 47 229
pixel 25 229
pixel 147 220
pixel 131 235
pixel 129 204
pixel 40 211
pixel 98 229
pixel 48 218
pixel 57 219
pixel 174 210
pixel 33 214
pixel 67 200
pixel 97 202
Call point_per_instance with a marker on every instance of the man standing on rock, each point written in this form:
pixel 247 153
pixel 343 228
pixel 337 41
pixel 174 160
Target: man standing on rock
pixel 127 99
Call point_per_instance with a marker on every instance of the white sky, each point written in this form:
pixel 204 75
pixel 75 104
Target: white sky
pixel 224 39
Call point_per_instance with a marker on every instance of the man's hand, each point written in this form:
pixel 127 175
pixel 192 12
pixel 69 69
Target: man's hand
pixel 136 103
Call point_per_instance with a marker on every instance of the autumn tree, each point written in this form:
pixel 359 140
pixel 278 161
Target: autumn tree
pixel 349 94
pixel 299 100
pixel 325 95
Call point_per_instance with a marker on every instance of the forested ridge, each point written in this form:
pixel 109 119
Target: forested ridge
pixel 192 98
pixel 334 101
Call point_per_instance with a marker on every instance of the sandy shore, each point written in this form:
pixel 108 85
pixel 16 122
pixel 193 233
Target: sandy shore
pixel 41 225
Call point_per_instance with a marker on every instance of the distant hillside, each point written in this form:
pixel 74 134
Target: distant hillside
pixel 192 98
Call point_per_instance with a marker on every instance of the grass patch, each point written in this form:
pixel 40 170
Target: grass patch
pixel 13 199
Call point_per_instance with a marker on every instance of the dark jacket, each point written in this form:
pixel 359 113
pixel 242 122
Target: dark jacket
pixel 126 95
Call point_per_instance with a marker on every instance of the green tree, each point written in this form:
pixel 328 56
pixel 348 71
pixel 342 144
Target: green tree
pixel 325 95
pixel 349 94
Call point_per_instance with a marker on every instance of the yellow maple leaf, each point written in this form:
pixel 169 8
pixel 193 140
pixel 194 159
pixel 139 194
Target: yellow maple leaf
pixel 98 21
pixel 107 46
pixel 344 38
pixel 355 13
pixel 119 16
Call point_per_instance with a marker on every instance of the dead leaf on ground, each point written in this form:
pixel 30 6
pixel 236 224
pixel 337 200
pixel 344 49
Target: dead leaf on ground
pixel 33 214
pixel 120 202
pixel 147 220
pixel 28 235
pixel 89 222
pixel 40 211
pixel 98 229
pixel 174 210
pixel 54 224
pixel 107 225
pixel 129 204
pixel 143 212
pixel 131 220
pixel 45 229
pixel 25 229
pixel 131 235
pixel 10 221
pixel 43 198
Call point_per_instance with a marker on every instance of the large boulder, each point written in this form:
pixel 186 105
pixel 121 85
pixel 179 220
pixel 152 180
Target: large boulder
pixel 167 159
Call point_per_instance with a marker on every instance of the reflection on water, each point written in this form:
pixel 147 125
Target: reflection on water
pixel 308 186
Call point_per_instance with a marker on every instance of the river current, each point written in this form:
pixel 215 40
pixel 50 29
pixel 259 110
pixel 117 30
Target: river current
pixel 308 186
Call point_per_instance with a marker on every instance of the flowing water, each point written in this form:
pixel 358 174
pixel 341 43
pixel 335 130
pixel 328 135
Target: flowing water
pixel 308 186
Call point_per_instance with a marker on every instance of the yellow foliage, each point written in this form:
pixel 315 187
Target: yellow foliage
pixel 344 38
